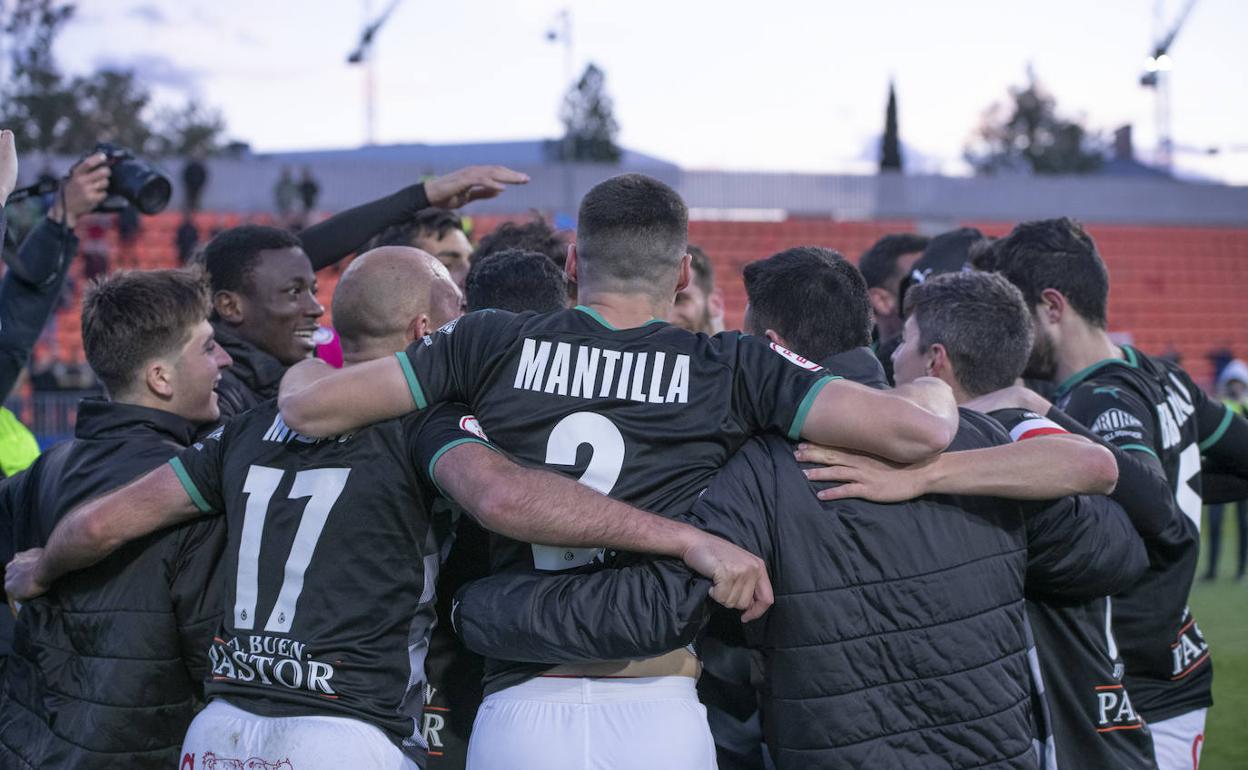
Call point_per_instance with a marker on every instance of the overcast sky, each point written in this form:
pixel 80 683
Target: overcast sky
pixel 776 85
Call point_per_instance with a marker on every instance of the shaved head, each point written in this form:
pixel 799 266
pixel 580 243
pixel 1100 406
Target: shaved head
pixel 389 296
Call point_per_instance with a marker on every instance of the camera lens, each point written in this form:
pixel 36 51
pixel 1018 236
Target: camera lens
pixel 143 186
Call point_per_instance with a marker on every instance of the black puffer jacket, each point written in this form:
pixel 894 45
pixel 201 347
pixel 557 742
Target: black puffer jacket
pixel 107 668
pixel 251 380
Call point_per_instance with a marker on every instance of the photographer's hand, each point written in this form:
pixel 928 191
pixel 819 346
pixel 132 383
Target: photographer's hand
pixel 86 188
pixel 8 165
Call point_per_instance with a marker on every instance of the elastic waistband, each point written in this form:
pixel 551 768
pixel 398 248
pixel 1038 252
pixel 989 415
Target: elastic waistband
pixel 555 689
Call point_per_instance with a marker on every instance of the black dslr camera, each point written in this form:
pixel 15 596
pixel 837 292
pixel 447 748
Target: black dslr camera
pixel 132 182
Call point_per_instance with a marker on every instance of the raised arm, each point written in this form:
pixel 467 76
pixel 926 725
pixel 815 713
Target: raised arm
pixel 93 530
pixel 1041 468
pixel 328 242
pixel 317 400
pixel 546 508
pixel 906 425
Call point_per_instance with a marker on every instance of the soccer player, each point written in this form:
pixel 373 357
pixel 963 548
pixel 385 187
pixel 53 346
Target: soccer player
pixel 885 265
pixel 973 330
pixel 1162 423
pixel 897 632
pixel 637 409
pixel 108 669
pixel 699 307
pixel 437 231
pixel 330 566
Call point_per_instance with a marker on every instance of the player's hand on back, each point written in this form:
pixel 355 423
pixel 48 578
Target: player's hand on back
pixel 739 577
pixel 863 476
pixel 21 576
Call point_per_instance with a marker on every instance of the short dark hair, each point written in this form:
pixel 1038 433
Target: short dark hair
pixel 1056 254
pixel 703 270
pixel 231 256
pixel 812 298
pixel 982 322
pixel 517 281
pixel 983 254
pixel 131 317
pixel 535 235
pixel 631 235
pixel 879 262
pixel 431 221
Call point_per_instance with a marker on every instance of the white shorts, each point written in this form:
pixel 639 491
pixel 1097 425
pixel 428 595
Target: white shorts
pixel 224 737
pixel 1177 741
pixel 552 723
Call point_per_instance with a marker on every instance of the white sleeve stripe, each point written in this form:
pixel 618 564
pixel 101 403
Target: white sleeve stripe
pixel 1038 423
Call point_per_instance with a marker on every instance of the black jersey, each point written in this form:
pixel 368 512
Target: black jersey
pixel 1141 404
pixel 1090 717
pixel 646 415
pixel 330 567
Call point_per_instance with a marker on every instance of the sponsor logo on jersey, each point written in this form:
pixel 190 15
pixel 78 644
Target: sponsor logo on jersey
pixel 279 432
pixel 794 358
pixel 1115 424
pixel 1189 649
pixel 270 660
pixel 213 762
pixel 470 424
pixel 1114 710
pixel 588 372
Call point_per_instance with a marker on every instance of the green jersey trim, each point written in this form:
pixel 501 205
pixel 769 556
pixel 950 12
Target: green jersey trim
pixel 438 456
pixel 1138 448
pixel 1070 382
pixel 413 384
pixel 594 314
pixel 184 479
pixel 803 409
pixel 1217 434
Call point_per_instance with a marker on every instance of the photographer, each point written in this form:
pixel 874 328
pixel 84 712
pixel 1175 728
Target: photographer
pixel 36 276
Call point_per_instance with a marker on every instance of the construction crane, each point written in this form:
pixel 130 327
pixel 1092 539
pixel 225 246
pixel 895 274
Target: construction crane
pixel 1156 76
pixel 361 56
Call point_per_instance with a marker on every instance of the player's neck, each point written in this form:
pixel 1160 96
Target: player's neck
pixel 624 311
pixel 1082 346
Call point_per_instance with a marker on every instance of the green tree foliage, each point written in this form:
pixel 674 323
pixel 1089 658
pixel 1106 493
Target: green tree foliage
pixel 890 145
pixel 50 113
pixel 589 121
pixel 1029 135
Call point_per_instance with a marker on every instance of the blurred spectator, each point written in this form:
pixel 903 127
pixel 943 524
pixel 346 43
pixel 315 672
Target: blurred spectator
pixel 284 193
pixel 186 239
pixel 194 178
pixel 94 247
pixel 18 447
pixel 435 231
pixel 1233 386
pixel 309 191
pixel 699 307
pixel 128 228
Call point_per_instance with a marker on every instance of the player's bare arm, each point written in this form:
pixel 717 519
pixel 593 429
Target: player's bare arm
pixel 543 507
pixel 906 425
pixel 1041 468
pixel 95 529
pixel 320 403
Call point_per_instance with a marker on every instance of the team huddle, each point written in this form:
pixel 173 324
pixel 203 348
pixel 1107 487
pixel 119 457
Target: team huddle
pixel 559 531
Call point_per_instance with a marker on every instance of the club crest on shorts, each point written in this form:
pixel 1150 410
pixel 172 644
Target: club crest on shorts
pixel 470 424
pixel 795 358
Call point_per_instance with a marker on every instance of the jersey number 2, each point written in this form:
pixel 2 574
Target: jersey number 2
pixel 322 488
pixel 600 475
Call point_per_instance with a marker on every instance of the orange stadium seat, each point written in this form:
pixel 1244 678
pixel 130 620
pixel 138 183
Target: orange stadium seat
pixel 1172 288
